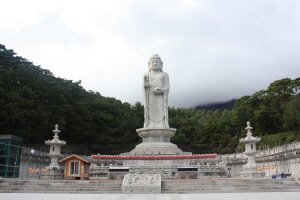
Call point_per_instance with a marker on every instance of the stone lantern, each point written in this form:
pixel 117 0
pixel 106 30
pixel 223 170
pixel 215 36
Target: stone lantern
pixel 55 149
pixel 250 169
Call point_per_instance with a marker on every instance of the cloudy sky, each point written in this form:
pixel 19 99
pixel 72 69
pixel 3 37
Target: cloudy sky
pixel 213 50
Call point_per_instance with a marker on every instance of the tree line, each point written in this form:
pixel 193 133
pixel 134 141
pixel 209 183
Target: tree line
pixel 33 100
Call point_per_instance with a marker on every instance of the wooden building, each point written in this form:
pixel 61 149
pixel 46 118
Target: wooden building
pixel 76 168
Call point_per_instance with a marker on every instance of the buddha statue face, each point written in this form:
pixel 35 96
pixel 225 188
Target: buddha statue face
pixel 155 63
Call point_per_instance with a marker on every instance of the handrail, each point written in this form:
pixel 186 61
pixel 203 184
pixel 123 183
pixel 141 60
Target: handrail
pixel 153 157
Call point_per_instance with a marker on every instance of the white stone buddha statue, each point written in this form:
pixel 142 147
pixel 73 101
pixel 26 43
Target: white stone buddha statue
pixel 156 90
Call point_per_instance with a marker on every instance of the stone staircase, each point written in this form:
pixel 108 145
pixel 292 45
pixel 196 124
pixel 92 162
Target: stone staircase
pixel 167 186
pixel 60 186
pixel 229 186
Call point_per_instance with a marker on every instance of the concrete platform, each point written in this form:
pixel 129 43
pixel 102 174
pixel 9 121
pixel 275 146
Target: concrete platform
pixel 205 196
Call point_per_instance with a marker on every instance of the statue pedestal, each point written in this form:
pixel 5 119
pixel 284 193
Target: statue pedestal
pixel 156 141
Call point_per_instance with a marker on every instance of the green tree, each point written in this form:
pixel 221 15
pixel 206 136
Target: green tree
pixel 292 114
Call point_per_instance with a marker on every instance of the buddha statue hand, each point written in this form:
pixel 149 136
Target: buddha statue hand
pixel 158 91
pixel 146 81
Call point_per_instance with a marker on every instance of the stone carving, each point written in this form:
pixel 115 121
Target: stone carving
pixel 142 183
pixel 156 90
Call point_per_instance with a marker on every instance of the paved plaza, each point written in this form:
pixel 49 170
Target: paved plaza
pixel 205 196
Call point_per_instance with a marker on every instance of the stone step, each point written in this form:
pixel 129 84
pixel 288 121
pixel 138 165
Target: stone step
pixel 60 186
pixel 62 181
pixel 230 186
pixel 61 189
pixel 39 187
pixel 226 191
pixel 64 192
pixel 168 186
pixel 233 184
pixel 57 188
pixel 75 186
pixel 226 186
pixel 266 189
pixel 65 188
pixel 70 189
pixel 230 181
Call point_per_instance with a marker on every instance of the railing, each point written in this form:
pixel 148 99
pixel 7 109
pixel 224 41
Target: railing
pixel 296 176
pixel 153 157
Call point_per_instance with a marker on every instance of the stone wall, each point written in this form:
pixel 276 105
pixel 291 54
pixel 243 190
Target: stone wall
pixel 39 160
pixel 281 159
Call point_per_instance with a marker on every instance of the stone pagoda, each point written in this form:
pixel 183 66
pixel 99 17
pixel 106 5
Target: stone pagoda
pixel 249 170
pixel 55 149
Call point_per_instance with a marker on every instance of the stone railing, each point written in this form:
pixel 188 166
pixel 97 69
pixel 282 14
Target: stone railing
pixel 296 177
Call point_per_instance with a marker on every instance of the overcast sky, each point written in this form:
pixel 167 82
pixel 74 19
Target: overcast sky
pixel 213 50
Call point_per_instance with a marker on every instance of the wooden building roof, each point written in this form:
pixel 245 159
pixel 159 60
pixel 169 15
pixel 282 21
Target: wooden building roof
pixel 75 156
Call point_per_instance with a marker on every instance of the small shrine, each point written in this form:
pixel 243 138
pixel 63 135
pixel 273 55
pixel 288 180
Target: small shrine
pixel 55 149
pixel 250 169
pixel 76 168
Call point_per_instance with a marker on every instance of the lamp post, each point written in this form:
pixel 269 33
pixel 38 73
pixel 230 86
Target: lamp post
pixel 229 175
pixel 54 169
pixel 16 160
pixel 32 151
pixel 40 166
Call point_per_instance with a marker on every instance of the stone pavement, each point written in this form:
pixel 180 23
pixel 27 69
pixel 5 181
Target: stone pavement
pixel 203 196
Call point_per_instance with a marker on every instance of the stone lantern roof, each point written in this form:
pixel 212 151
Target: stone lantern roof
pixel 55 139
pixel 249 138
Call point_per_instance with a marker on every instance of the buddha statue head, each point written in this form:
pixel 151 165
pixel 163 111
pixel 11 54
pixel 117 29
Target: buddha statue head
pixel 155 63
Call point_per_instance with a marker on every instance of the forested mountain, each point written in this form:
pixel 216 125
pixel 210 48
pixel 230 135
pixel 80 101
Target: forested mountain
pixel 33 100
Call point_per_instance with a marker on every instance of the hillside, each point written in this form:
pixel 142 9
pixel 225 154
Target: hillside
pixel 33 100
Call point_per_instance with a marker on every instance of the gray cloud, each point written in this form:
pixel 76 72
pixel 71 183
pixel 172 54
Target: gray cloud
pixel 213 50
